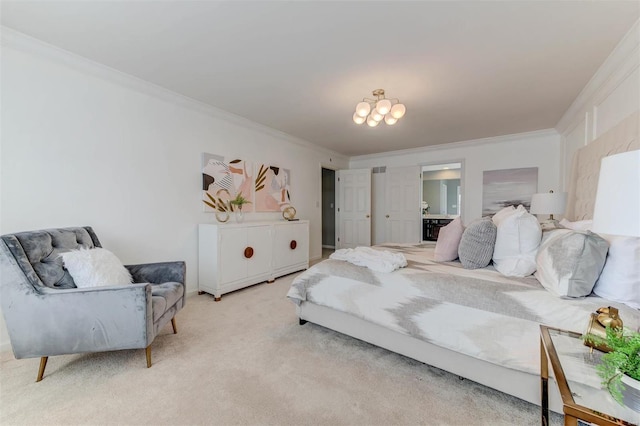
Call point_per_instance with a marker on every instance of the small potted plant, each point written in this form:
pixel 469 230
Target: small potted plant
pixel 238 202
pixel 620 368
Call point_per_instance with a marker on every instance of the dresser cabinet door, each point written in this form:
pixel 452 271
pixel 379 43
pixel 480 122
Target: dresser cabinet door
pixel 291 244
pixel 232 244
pixel 259 241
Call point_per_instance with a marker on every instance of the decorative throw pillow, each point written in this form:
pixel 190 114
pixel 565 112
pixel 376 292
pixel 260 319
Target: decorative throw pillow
pixel 95 267
pixel 620 277
pixel 448 241
pixel 502 214
pixel 476 245
pixel 517 241
pixel 569 262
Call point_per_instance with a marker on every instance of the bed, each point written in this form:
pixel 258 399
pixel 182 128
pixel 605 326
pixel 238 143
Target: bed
pixel 477 324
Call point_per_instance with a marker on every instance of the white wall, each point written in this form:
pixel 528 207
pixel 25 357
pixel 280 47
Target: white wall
pixel 85 145
pixel 612 94
pixel 536 149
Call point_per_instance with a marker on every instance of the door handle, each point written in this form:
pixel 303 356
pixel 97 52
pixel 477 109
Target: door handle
pixel 248 252
pixel 387 216
pixel 367 216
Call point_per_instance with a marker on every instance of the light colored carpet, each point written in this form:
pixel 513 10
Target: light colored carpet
pixel 245 360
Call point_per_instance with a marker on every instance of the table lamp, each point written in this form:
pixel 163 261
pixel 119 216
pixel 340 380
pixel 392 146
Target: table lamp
pixel 617 208
pixel 549 203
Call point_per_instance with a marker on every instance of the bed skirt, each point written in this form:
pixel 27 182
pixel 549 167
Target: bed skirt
pixel 517 383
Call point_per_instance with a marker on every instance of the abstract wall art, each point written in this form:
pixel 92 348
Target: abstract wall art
pixel 271 188
pixel 508 187
pixel 267 187
pixel 222 180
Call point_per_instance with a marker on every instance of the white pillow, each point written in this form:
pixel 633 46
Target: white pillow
pixel 502 214
pixel 95 267
pixel 517 243
pixel 619 280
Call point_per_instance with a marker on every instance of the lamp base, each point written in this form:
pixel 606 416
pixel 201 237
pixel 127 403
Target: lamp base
pixel 549 224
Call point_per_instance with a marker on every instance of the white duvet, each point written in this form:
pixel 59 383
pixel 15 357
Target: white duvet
pixel 479 313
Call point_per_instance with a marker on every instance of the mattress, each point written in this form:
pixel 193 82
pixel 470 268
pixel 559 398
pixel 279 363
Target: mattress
pixel 479 313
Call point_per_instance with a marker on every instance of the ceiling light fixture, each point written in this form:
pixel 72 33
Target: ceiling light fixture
pixel 373 111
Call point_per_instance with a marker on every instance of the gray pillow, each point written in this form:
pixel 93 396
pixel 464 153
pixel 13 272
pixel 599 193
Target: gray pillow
pixel 477 243
pixel 569 262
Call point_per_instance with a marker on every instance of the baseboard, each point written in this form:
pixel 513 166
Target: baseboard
pixel 5 347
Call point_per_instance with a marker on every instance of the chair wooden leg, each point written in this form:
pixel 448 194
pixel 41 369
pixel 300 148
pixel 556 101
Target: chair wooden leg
pixel 148 351
pixel 173 324
pixel 43 365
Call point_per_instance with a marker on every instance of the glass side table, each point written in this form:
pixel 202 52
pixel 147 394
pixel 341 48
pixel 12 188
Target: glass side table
pixel 574 369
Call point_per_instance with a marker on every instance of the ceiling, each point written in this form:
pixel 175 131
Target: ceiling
pixel 465 70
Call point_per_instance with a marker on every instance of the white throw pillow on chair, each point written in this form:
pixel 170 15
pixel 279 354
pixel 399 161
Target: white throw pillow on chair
pixel 95 267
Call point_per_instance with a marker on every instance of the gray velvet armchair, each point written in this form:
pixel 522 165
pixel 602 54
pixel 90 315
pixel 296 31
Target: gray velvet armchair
pixel 47 315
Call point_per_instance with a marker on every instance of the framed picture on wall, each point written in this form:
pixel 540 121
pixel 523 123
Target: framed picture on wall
pixel 508 187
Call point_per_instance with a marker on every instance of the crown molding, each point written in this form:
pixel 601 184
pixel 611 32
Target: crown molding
pixel 619 64
pixel 20 41
pixel 462 144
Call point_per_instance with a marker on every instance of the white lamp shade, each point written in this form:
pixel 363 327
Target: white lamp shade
pixel 390 120
pixel 363 109
pixel 398 110
pixel 617 208
pixel 357 119
pixel 549 203
pixel 371 122
pixel 383 106
pixel 375 114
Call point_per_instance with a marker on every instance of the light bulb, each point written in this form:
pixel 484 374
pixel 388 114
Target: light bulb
pixel 363 109
pixel 390 120
pixel 383 106
pixel 398 110
pixel 375 114
pixel 371 122
pixel 357 119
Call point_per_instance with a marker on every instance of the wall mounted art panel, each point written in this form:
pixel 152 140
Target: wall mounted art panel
pixel 508 187
pixel 271 188
pixel 223 180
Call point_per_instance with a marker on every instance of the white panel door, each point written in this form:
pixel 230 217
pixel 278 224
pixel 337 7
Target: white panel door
pixel 354 208
pixel 403 218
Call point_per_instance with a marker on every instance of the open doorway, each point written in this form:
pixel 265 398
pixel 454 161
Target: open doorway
pixel 441 197
pixel 328 212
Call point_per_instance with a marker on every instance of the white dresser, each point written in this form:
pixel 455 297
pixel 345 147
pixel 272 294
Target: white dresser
pixel 237 255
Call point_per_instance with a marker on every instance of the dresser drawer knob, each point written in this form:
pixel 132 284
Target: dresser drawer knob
pixel 293 244
pixel 248 252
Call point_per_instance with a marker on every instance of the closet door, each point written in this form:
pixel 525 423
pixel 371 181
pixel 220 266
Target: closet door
pixel 354 208
pixel 403 217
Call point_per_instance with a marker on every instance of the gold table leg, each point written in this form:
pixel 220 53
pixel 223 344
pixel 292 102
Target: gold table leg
pixel 43 365
pixel 148 351
pixel 544 385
